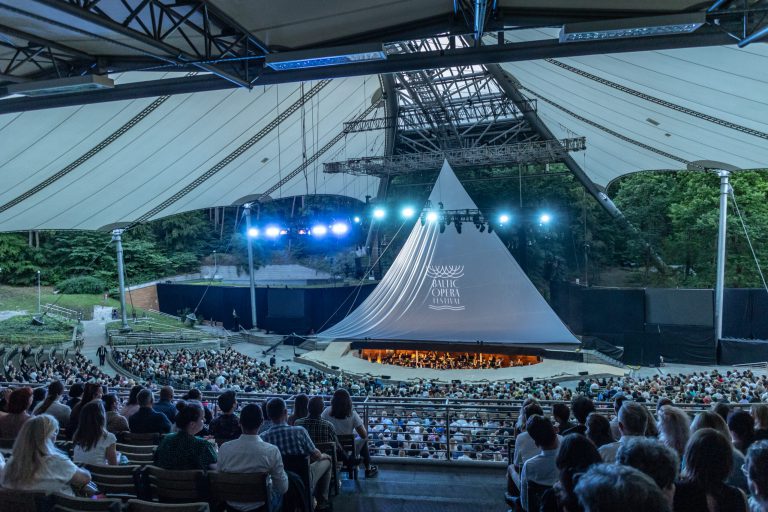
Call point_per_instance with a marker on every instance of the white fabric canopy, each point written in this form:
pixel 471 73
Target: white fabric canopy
pixel 451 286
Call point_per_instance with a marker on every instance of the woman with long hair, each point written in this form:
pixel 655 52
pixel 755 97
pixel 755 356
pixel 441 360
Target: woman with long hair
pixel 759 413
pixel 115 421
pixel 51 405
pixel 18 404
pixel 183 450
pixel 575 455
pixel 710 419
pixel 91 392
pixel 36 464
pixel 707 463
pixel 300 408
pixel 93 443
pixel 341 414
pixel 674 428
pixel 133 402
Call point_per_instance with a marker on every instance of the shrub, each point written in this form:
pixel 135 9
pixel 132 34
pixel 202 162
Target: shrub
pixel 81 285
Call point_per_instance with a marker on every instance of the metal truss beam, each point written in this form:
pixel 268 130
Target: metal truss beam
pixel 548 151
pixel 502 52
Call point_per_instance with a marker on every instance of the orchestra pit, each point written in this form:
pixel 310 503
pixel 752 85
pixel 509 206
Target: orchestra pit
pixel 383 256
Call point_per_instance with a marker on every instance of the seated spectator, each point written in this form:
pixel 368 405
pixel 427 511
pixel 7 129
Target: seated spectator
pixel 345 420
pixel 742 428
pixel 36 464
pixel 613 488
pixel 618 401
pixel 651 430
pixel 267 421
pixel 707 463
pixel 196 396
pixel 75 393
pixel 132 405
pixel 91 392
pixel 759 413
pixel 710 419
pixel 575 455
pixel 674 428
pixel 38 395
pixel 561 414
pixel 51 405
pixel 632 422
pixel 226 426
pixel 599 430
pixel 540 469
pixel 300 405
pixel 581 406
pixel 115 422
pixel 182 450
pixel 525 447
pixel 165 405
pixel 250 454
pixel 320 430
pixel 93 444
pixel 296 441
pixel 756 469
pixel 146 420
pixel 18 404
pixel 653 458
pixel 722 409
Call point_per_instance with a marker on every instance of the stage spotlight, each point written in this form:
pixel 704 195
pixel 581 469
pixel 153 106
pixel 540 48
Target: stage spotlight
pixel 545 218
pixel 272 231
pixel 431 216
pixel 319 230
pixel 339 228
pixel 283 231
pixel 253 232
pixel 356 219
pixel 379 213
pixel 408 212
pixel 303 231
pixel 503 218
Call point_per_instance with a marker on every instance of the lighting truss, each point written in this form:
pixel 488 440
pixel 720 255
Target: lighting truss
pixel 547 151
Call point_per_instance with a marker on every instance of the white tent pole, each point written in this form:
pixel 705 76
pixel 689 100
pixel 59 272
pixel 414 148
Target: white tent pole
pixel 247 212
pixel 721 241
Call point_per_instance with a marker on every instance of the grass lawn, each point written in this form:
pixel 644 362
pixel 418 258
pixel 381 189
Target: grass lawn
pixel 20 329
pixel 13 298
pixel 156 323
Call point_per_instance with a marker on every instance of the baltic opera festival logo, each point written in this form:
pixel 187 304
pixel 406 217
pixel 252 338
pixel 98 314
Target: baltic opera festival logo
pixel 444 292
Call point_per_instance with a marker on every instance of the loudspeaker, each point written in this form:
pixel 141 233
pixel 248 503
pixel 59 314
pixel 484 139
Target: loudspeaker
pixel 334 367
pixel 583 373
pixel 386 377
pixel 455 381
pixel 528 379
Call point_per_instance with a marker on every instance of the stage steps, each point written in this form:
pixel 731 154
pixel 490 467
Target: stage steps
pixel 593 356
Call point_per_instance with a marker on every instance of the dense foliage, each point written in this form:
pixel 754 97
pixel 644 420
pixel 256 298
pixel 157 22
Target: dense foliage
pixel 81 285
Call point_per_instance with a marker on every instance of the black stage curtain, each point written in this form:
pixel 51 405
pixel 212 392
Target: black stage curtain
pixel 737 313
pixel 613 310
pixel 668 306
pixel 602 346
pixel 739 351
pixel 688 344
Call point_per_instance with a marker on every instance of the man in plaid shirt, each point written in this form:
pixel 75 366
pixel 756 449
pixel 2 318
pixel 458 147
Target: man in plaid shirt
pixel 320 430
pixel 296 441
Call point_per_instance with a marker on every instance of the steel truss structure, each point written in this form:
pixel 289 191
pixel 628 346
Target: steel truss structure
pixel 545 151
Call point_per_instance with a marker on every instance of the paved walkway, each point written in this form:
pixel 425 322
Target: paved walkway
pixel 95 335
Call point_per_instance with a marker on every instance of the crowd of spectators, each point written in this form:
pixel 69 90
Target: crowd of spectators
pixel 75 368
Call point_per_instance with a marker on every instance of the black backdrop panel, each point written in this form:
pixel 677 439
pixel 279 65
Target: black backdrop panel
pixel 677 343
pixel 759 300
pixel 743 351
pixel 285 303
pixel 679 307
pixel 613 310
pixel 737 313
pixel 565 299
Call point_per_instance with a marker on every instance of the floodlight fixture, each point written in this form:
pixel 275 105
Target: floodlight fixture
pixel 322 57
pixel 408 212
pixel 56 86
pixel 319 230
pixel 272 231
pixel 629 28
pixel 253 232
pixel 431 216
pixel 545 218
pixel 339 228
pixel 503 218
pixel 379 213
pixel 356 219
pixel 283 231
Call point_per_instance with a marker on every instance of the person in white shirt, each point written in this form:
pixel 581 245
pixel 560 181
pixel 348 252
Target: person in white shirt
pixel 345 420
pixel 93 443
pixel 250 454
pixel 36 464
pixel 540 469
pixel 632 422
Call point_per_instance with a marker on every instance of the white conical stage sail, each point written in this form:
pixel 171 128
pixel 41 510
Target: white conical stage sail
pixel 457 287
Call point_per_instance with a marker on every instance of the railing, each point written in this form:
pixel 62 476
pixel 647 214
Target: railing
pixel 69 314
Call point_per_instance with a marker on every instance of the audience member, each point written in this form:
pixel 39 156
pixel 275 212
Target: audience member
pixel 75 392
pixel 756 469
pixel 706 465
pixel 653 458
pixel 226 426
pixel 296 441
pixel 710 419
pixel 182 450
pixel 575 455
pixel 632 422
pixel 561 414
pixel 165 405
pixel 36 465
pixel 674 428
pixel 618 401
pixel 345 420
pixel 92 391
pixel 18 404
pixel 300 404
pixel 613 488
pixel 760 414
pixel 599 430
pixel 132 405
pixel 320 430
pixel 93 443
pixel 250 454
pixel 51 405
pixel 742 428
pixel 146 420
pixel 581 406
pixel 38 395
pixel 540 469
pixel 722 409
pixel 115 422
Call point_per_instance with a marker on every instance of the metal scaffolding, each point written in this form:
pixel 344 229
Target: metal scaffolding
pixel 547 151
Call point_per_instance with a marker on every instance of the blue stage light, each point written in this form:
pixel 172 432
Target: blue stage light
pixel 545 218
pixel 356 219
pixel 408 212
pixel 319 230
pixel 379 213
pixel 431 216
pixel 253 232
pixel 503 218
pixel 272 231
pixel 339 228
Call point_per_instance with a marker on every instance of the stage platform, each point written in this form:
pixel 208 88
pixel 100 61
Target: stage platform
pixel 339 356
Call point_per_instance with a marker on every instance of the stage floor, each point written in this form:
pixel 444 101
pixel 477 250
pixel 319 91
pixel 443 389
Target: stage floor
pixel 340 355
